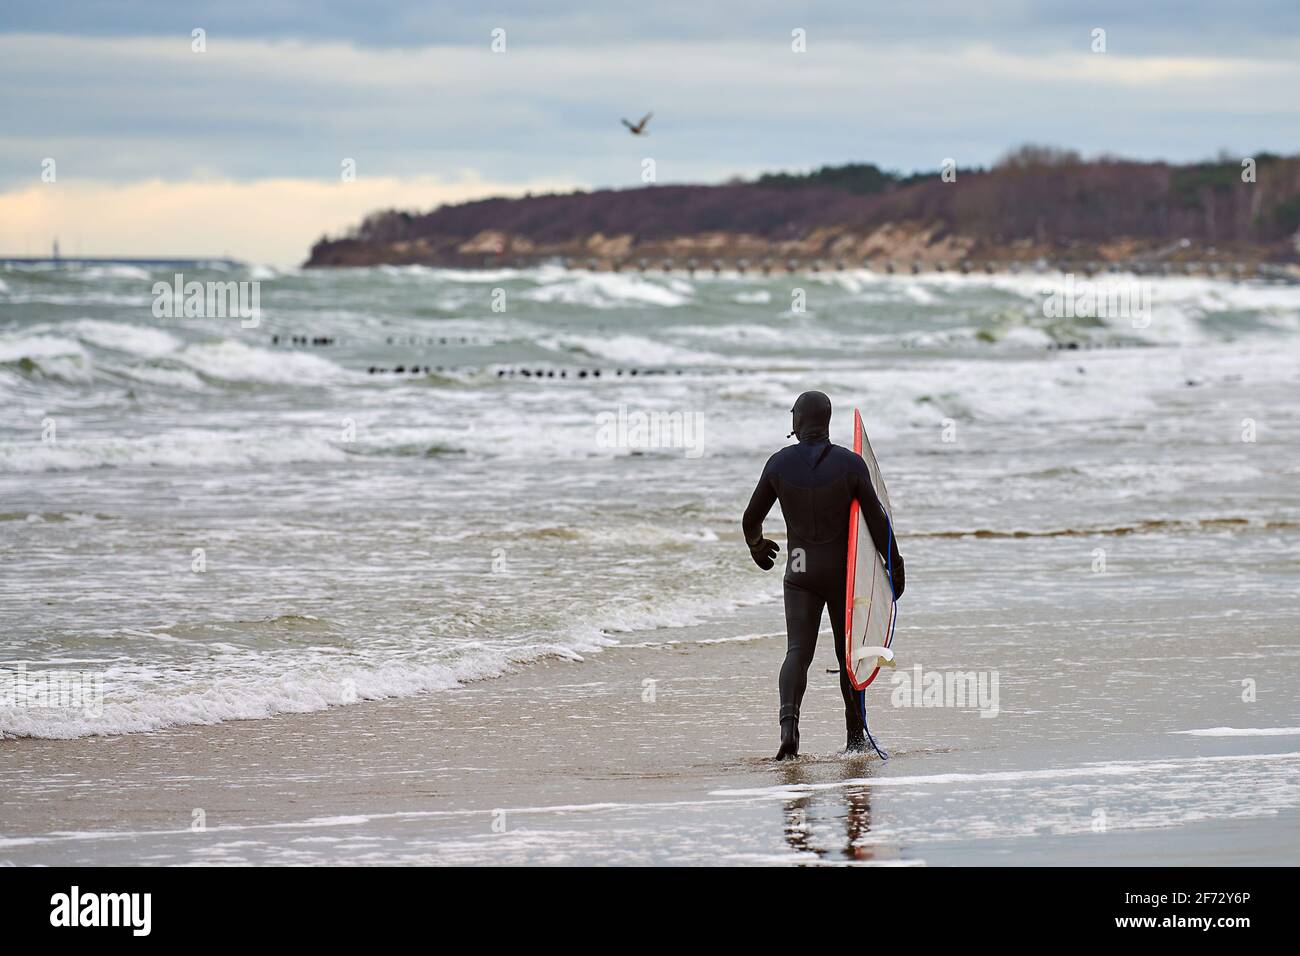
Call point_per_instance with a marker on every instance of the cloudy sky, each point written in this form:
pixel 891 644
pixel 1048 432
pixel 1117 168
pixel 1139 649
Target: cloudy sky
pixel 239 149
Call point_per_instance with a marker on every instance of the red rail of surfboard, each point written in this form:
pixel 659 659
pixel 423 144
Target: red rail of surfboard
pixel 854 511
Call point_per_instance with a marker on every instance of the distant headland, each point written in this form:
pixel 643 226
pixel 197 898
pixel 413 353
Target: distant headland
pixel 1036 205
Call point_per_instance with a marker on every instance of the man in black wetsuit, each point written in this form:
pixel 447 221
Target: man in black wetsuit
pixel 816 482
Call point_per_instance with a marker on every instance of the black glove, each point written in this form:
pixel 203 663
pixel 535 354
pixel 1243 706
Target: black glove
pixel 764 553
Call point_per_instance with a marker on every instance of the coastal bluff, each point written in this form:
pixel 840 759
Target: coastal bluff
pixel 1035 206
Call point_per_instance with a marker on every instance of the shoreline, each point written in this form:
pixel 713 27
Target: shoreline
pixel 567 762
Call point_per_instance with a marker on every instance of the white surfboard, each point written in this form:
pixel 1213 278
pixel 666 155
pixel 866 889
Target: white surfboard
pixel 869 602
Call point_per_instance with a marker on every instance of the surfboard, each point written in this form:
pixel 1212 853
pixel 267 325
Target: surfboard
pixel 869 610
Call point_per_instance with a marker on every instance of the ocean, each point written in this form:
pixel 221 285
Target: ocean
pixel 205 520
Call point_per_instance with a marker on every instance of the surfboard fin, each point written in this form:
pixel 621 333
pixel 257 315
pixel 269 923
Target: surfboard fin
pixel 883 655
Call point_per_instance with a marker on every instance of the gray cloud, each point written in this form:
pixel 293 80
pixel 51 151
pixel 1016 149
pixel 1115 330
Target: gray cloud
pixel 1167 27
pixel 129 101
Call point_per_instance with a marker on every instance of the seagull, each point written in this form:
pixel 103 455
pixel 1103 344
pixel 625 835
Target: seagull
pixel 639 128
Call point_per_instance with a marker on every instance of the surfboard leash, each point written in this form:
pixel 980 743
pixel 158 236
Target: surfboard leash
pixel 875 746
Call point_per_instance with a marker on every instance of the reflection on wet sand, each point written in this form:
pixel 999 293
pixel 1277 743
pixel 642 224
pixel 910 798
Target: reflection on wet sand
pixel 833 824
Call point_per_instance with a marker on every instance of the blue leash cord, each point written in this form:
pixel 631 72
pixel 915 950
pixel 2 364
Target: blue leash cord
pixel 883 755
pixel 862 694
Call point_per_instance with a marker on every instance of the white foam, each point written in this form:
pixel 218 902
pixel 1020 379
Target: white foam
pixel 181 449
pixel 1116 768
pixel 118 271
pixel 137 339
pixel 248 688
pixel 253 685
pixel 168 377
pixel 918 293
pixel 36 347
pixel 606 290
pixel 1242 732
pixel 738 639
pixel 235 362
pixel 442 275
pixel 54 357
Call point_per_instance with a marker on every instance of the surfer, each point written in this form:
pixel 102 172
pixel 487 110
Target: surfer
pixel 816 482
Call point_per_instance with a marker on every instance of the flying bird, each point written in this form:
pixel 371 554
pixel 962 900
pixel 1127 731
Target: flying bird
pixel 639 128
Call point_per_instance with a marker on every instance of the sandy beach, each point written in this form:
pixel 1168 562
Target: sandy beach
pixel 568 762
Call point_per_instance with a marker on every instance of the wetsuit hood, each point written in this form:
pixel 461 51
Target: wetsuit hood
pixel 812 417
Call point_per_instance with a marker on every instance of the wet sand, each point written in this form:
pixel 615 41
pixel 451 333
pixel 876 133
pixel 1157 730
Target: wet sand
pixel 569 762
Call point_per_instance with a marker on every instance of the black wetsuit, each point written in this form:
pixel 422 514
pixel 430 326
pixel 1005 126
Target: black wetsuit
pixel 816 482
